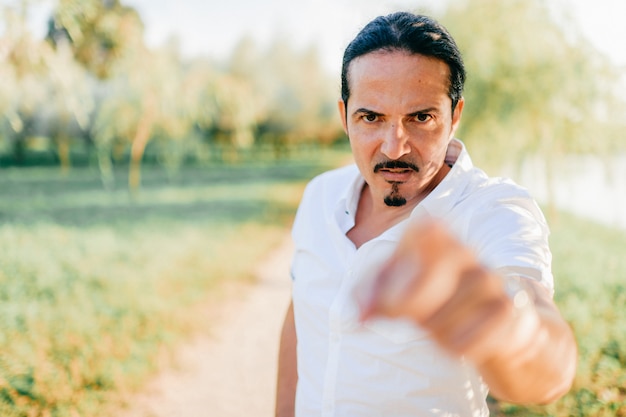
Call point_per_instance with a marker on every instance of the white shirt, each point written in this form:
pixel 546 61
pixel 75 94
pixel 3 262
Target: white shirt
pixel 390 367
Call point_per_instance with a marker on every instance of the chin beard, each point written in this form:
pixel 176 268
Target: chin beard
pixel 394 199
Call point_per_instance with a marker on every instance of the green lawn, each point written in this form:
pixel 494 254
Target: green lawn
pixel 95 285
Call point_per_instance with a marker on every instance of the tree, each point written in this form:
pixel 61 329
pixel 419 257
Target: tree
pixel 22 66
pixel 148 95
pixel 107 38
pixel 531 89
pixel 100 32
pixel 296 99
pixel 95 77
pixel 68 102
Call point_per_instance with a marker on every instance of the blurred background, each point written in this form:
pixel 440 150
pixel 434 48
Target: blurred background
pixel 104 83
pixel 151 150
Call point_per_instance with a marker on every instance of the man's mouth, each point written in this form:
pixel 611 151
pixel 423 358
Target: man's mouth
pixel 395 171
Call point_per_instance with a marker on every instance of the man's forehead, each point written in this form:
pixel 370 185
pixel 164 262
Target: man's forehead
pixel 372 60
pixel 398 65
pixel 409 76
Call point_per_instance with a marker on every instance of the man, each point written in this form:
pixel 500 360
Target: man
pixel 419 282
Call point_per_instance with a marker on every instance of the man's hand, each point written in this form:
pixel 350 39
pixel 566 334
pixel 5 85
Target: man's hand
pixel 437 282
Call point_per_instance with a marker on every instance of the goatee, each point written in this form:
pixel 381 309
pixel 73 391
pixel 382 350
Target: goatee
pixel 394 199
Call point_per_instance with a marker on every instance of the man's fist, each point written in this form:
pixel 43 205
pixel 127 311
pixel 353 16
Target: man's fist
pixel 438 283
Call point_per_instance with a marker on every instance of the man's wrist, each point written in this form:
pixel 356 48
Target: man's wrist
pixel 520 292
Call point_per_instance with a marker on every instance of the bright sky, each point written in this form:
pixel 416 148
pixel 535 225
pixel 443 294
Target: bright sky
pixel 212 27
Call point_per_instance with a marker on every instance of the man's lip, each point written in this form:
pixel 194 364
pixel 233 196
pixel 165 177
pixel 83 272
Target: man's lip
pixel 396 175
pixel 395 170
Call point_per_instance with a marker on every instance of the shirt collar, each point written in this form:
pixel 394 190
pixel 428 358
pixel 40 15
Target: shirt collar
pixel 348 201
pixel 447 193
pixel 353 194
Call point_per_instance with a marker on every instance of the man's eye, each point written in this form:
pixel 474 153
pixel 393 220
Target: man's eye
pixel 423 117
pixel 370 117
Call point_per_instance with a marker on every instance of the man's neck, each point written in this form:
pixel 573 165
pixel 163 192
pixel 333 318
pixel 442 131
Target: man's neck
pixel 375 217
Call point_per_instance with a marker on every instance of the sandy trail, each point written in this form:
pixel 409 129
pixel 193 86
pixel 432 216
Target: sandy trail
pixel 232 371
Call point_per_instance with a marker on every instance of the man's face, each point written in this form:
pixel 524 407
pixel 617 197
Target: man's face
pixel 399 121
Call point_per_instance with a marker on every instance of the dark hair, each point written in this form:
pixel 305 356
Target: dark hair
pixel 415 34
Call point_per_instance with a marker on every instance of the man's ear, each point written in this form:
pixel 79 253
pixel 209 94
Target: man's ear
pixel 341 106
pixel 456 116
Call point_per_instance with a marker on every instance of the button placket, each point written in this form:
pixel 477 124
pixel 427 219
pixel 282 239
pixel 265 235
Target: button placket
pixel 334 343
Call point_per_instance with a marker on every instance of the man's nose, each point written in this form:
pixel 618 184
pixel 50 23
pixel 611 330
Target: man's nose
pixel 395 142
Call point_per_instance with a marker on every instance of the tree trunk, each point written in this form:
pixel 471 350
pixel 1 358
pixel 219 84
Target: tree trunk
pixel 138 147
pixel 106 167
pixel 63 150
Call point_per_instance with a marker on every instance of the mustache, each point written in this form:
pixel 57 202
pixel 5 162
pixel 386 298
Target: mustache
pixel 395 165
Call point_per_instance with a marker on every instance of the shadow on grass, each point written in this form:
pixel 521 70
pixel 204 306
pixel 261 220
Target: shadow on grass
pixel 230 211
pixel 222 193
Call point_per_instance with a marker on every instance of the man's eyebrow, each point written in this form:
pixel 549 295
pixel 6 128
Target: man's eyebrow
pixel 427 110
pixel 363 110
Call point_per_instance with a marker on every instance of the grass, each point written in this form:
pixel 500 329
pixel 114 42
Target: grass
pixel 95 285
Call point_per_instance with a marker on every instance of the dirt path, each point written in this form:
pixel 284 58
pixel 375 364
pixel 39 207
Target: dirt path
pixel 232 372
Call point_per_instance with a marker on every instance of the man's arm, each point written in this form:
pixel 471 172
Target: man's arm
pixel 287 368
pixel 538 362
pixel 523 348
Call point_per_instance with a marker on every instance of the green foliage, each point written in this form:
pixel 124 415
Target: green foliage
pixel 95 287
pixel 100 32
pixel 589 270
pixel 535 85
pixel 298 100
pixel 94 83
